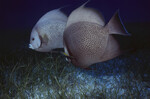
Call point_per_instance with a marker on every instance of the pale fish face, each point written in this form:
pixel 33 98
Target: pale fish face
pixel 35 41
pixel 39 42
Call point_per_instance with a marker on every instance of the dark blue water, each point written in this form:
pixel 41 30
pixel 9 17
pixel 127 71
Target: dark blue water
pixel 25 13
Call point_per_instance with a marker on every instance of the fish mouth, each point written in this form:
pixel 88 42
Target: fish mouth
pixel 30 46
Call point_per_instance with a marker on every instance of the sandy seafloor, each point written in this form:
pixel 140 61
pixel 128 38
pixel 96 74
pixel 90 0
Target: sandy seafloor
pixel 29 75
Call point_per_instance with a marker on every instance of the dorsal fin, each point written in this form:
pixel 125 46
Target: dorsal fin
pixel 116 26
pixel 53 15
pixel 83 13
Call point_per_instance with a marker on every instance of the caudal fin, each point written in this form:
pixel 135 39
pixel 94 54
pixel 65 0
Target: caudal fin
pixel 116 26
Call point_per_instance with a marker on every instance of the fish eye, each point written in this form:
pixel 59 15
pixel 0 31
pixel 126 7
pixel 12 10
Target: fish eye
pixel 32 39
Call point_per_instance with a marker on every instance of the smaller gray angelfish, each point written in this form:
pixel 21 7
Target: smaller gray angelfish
pixel 47 34
pixel 88 40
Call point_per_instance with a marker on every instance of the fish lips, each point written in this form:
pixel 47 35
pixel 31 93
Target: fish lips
pixel 31 46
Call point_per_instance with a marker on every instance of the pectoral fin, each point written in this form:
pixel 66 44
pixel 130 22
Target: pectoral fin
pixel 44 39
pixel 65 54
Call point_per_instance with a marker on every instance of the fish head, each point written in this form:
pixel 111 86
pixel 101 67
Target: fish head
pixel 35 41
pixel 39 41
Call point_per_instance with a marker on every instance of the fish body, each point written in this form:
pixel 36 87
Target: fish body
pixel 87 40
pixel 47 34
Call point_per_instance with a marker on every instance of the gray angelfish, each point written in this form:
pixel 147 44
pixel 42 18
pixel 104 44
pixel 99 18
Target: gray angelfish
pixel 87 40
pixel 47 34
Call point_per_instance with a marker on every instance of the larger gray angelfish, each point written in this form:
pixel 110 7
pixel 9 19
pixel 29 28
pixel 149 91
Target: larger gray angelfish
pixel 87 40
pixel 47 34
